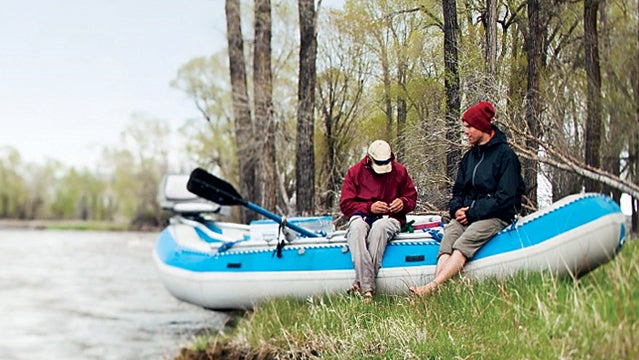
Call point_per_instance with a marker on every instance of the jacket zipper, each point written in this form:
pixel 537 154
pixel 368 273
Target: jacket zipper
pixel 473 178
pixel 476 166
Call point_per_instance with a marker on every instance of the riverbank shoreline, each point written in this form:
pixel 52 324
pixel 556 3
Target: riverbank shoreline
pixel 531 315
pixel 40 224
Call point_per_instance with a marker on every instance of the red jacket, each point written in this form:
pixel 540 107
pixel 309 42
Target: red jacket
pixel 362 187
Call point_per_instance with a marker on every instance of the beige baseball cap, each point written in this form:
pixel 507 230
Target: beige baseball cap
pixel 380 154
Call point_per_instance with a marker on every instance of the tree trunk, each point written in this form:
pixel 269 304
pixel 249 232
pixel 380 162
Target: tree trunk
pixel 388 103
pixel 265 183
pixel 241 109
pixel 635 145
pixel 451 35
pixel 611 155
pixel 402 111
pixel 305 156
pixel 533 52
pixel 491 49
pixel 593 98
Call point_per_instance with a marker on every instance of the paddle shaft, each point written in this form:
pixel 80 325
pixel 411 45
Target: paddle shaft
pixel 212 188
pixel 278 220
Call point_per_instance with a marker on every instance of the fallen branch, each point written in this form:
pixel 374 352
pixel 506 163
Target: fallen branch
pixel 561 160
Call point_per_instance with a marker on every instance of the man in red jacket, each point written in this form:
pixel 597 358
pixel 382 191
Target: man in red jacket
pixel 376 196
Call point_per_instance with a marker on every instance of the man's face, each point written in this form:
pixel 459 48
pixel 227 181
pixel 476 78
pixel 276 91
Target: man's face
pixel 475 137
pixel 377 162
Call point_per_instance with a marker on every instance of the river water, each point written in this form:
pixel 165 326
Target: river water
pixel 89 295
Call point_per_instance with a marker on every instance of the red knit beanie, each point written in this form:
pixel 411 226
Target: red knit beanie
pixel 479 116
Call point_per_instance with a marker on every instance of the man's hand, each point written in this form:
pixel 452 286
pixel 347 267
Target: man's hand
pixel 380 208
pixel 460 215
pixel 396 206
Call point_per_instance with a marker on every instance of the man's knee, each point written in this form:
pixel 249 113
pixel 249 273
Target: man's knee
pixel 485 229
pixel 461 254
pixel 386 223
pixel 357 227
pixel 357 222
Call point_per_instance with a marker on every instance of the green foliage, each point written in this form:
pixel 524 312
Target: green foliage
pixel 532 316
pixel 13 192
pixel 125 188
pixel 78 195
pixel 138 167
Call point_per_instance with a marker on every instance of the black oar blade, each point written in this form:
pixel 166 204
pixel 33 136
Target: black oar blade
pixel 212 188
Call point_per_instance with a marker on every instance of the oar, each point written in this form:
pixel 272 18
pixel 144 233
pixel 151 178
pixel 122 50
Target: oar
pixel 212 188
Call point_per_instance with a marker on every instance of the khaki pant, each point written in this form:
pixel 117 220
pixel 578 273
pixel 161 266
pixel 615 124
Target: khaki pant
pixel 367 245
pixel 469 239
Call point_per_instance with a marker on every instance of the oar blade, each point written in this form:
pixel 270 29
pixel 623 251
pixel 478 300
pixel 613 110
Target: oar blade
pixel 210 187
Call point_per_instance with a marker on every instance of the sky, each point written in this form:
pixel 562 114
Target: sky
pixel 74 72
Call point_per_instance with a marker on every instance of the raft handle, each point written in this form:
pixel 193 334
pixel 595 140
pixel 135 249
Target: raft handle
pixel 414 258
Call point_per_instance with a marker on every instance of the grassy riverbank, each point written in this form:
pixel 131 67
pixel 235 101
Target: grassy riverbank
pixel 70 225
pixel 529 316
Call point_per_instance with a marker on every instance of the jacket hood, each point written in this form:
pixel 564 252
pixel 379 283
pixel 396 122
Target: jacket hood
pixel 498 138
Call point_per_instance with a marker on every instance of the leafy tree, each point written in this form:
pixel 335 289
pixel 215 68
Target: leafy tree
pixel 38 180
pixel 79 195
pixel 13 192
pixel 340 88
pixel 137 166
pixel 211 144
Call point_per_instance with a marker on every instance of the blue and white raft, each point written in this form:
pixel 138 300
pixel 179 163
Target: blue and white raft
pixel 222 265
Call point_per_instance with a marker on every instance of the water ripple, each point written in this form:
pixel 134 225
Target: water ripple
pixel 89 295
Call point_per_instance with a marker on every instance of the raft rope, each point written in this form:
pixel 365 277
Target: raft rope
pixel 280 242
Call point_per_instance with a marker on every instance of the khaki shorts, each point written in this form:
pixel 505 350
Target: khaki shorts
pixel 469 239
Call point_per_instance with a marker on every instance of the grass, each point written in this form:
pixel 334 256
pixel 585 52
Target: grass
pixel 65 225
pixel 529 316
pixel 86 225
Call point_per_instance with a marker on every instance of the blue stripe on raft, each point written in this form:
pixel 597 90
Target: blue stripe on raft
pixel 416 253
pixel 398 254
pixel 554 223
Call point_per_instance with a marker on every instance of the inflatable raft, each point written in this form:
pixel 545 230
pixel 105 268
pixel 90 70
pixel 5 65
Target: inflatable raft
pixel 222 265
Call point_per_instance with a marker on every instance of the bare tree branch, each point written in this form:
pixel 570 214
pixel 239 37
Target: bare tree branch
pixel 552 156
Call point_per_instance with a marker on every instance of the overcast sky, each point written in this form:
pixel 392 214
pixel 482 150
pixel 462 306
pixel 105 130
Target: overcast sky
pixel 73 72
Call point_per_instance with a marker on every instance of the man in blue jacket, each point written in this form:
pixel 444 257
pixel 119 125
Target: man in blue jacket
pixel 486 195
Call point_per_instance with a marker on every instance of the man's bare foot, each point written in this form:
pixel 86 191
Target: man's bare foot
pixel 368 297
pixel 355 290
pixel 424 291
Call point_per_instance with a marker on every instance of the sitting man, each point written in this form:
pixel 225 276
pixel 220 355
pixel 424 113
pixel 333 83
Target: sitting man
pixel 376 196
pixel 486 195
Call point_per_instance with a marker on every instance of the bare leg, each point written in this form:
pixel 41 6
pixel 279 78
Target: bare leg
pixel 447 268
pixel 443 258
pixel 441 263
pixel 452 267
